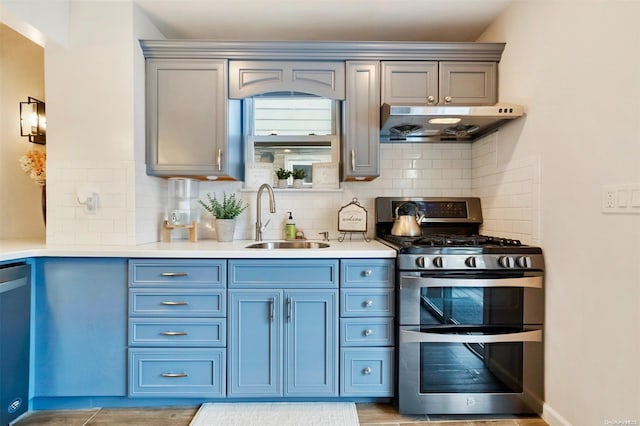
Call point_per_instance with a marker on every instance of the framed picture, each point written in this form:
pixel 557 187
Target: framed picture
pixel 325 176
pixel 255 174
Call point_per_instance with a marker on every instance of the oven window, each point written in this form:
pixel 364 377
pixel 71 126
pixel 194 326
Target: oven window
pixel 471 367
pixel 471 305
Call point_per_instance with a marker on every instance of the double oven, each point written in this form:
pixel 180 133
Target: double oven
pixel 470 312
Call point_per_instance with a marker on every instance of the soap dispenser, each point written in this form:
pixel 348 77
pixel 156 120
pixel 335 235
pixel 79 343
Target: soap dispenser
pixel 290 228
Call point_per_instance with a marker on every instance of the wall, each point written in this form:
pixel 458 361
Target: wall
pixel 576 67
pixel 21 76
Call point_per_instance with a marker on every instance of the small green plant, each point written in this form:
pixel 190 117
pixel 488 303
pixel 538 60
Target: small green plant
pixel 298 174
pixel 282 173
pixel 229 208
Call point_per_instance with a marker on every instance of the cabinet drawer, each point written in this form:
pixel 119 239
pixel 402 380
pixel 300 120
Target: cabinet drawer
pixel 182 272
pixel 204 332
pixel 177 303
pixel 367 272
pixel 367 372
pixel 366 332
pixel 176 373
pixel 366 302
pixel 283 273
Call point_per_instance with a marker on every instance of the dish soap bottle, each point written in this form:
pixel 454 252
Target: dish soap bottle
pixel 290 229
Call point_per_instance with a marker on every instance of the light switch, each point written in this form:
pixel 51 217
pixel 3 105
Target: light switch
pixel 635 198
pixel 623 198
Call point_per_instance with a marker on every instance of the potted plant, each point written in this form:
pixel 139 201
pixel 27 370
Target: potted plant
pixel 282 175
pixel 225 213
pixel 298 176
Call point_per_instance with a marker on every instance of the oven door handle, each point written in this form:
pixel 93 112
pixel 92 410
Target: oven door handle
pixel 423 337
pixel 409 281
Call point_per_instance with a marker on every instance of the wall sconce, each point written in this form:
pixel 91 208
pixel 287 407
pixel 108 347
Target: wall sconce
pixel 33 121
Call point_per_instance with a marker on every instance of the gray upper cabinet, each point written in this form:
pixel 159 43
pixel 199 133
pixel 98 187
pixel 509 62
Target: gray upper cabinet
pixel 410 82
pixel 468 83
pixel 441 83
pixel 188 117
pixel 249 78
pixel 361 130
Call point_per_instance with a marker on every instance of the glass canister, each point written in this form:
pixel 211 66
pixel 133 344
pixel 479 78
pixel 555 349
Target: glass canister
pixel 182 201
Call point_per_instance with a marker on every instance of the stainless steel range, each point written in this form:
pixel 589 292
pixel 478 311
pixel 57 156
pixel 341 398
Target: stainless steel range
pixel 470 310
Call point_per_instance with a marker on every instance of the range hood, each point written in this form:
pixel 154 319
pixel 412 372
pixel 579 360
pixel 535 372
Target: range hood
pixel 425 123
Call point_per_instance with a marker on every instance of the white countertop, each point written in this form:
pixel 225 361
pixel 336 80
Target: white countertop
pixel 18 249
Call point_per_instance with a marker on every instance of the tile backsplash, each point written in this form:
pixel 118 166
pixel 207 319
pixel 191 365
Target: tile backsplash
pixel 132 203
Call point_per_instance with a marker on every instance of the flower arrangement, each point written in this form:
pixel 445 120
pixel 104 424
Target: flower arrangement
pixel 34 162
pixel 229 208
pixel 298 174
pixel 282 173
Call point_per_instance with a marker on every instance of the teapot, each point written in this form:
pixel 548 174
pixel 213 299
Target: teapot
pixel 408 223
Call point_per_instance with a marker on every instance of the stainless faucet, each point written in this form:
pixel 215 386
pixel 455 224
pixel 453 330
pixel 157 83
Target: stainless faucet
pixel 272 209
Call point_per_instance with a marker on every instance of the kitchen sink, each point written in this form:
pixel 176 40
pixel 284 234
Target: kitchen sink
pixel 270 245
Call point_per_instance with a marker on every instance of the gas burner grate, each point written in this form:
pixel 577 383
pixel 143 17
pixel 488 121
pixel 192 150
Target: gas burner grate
pixel 437 240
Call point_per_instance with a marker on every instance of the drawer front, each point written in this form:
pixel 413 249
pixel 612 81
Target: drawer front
pixel 366 303
pixel 203 332
pixel 367 372
pixel 177 303
pixel 367 272
pixel 366 332
pixel 283 273
pixel 179 272
pixel 177 373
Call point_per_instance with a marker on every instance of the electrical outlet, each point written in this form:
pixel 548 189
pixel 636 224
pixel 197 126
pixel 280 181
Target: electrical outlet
pixel 623 198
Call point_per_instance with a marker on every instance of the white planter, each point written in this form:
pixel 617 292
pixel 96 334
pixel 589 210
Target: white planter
pixel 283 183
pixel 297 183
pixel 225 229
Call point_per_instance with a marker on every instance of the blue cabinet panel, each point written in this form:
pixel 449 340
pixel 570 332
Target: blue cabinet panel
pixel 366 302
pixel 367 332
pixel 177 272
pixel 80 327
pixel 367 371
pixel 311 346
pixel 283 273
pixel 177 372
pixel 255 343
pixel 179 332
pixel 177 303
pixel 367 273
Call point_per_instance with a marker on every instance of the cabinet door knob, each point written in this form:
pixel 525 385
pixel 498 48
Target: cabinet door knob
pixel 368 303
pixel 367 272
pixel 368 332
pixel 431 99
pixel 447 99
pixel 366 371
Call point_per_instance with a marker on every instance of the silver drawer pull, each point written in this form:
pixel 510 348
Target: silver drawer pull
pixel 174 274
pixel 368 332
pixel 368 303
pixel 174 333
pixel 367 272
pixel 366 371
pixel 174 375
pixel 172 303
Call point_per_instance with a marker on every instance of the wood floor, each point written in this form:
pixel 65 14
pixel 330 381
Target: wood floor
pixel 368 414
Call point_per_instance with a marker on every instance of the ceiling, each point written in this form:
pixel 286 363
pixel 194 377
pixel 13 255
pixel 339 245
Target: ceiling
pixel 328 20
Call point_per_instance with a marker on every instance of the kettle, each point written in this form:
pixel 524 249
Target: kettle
pixel 408 223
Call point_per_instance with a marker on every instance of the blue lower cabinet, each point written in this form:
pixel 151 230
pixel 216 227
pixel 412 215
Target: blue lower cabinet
pixel 283 343
pixel 367 372
pixel 177 372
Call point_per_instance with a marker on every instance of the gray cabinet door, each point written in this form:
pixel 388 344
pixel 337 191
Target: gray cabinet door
pixel 360 144
pixel 468 83
pixel 187 115
pixel 249 78
pixel 413 82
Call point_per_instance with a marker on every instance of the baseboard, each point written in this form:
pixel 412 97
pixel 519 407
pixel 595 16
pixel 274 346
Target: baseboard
pixel 552 417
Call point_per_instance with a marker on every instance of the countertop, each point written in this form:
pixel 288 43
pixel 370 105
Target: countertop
pixel 19 249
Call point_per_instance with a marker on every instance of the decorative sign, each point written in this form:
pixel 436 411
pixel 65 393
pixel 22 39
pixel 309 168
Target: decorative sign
pixel 325 176
pixel 352 218
pixel 255 174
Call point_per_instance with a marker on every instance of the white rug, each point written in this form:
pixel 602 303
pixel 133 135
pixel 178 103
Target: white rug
pixel 277 414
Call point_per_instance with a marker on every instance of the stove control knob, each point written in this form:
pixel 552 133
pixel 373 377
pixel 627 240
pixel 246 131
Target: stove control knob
pixel 420 262
pixel 506 261
pixel 439 262
pixel 470 262
pixel 523 261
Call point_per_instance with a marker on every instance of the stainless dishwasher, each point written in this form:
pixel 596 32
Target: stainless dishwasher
pixel 15 302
